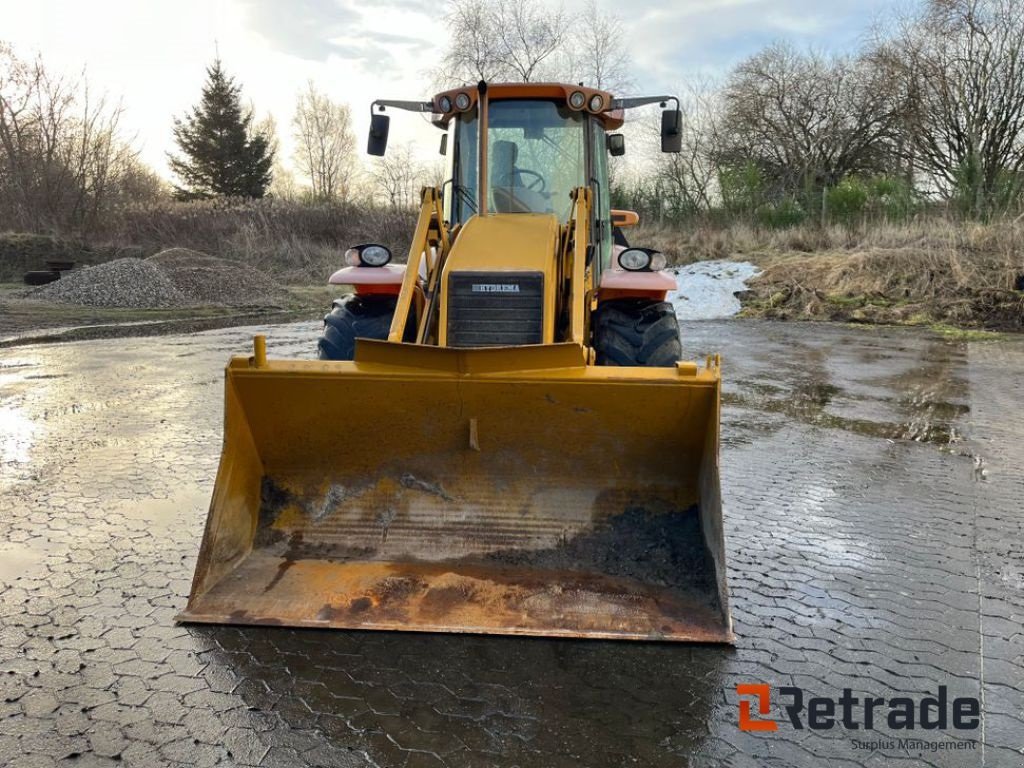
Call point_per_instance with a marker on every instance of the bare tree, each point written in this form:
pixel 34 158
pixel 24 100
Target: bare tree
pixel 501 40
pixel 283 184
pixel 63 163
pixel 471 54
pixel 398 177
pixel 807 121
pixel 688 180
pixel 325 144
pixel 598 52
pixel 961 63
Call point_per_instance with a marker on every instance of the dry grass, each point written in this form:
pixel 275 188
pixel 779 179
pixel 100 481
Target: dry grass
pixel 931 271
pixel 297 242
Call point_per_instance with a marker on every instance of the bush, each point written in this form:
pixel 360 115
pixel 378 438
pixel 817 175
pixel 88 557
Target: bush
pixel 894 198
pixel 846 201
pixel 742 188
pixel 781 215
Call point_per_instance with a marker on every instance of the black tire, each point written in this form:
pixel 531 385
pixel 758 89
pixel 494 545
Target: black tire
pixel 637 333
pixel 41 277
pixel 357 317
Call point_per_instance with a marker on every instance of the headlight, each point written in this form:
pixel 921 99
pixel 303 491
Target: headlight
pixel 641 260
pixel 596 102
pixel 577 99
pixel 374 256
pixel 445 104
pixel 462 101
pixel 368 255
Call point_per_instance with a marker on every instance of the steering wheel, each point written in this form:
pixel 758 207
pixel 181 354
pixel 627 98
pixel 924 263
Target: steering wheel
pixel 538 184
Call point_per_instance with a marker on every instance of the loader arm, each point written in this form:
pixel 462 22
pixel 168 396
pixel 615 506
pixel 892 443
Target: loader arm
pixel 579 291
pixel 429 241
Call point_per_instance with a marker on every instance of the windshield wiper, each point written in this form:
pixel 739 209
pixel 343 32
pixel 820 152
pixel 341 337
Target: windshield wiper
pixel 465 196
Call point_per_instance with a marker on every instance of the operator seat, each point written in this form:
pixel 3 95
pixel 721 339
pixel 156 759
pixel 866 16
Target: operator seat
pixel 504 171
pixel 511 195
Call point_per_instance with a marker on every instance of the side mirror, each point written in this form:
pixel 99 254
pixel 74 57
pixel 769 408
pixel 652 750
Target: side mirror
pixel 671 130
pixel 444 144
pixel 616 144
pixel 378 141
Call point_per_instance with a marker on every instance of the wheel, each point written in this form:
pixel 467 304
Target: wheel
pixel 41 277
pixel 636 333
pixel 358 317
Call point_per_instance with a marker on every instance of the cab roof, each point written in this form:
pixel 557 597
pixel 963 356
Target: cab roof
pixel 611 118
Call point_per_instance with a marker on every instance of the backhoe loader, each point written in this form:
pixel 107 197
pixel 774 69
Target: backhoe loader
pixel 498 436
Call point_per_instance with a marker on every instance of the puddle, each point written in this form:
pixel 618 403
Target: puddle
pixel 163 514
pixel 20 560
pixel 17 435
pixel 707 289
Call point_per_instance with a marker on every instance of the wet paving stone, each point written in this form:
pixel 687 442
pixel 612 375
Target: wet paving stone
pixel 872 482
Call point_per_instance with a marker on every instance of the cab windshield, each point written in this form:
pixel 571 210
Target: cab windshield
pixel 535 158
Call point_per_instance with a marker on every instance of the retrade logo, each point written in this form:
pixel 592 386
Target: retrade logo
pixel 930 712
pixel 762 695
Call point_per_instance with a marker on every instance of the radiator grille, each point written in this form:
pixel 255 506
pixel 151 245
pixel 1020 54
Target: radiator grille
pixel 495 309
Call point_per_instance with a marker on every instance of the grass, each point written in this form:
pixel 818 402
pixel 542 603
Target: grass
pixel 965 334
pixel 314 297
pixel 928 272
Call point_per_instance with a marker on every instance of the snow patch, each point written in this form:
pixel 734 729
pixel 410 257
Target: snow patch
pixel 707 289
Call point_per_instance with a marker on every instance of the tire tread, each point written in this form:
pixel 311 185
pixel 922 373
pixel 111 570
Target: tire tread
pixel 637 333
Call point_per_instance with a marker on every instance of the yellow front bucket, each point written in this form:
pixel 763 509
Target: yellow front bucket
pixel 510 491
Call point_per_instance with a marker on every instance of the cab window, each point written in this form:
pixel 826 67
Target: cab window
pixel 535 158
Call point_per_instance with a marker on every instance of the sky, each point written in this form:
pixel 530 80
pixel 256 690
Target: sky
pixel 152 54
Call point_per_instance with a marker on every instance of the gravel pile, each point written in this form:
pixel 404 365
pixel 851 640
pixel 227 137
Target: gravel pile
pixel 132 283
pixel 176 277
pixel 208 280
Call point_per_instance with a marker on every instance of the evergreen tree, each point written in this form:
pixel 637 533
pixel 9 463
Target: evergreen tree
pixel 221 154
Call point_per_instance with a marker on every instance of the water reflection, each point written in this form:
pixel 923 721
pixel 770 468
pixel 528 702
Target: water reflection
pixel 17 435
pixel 514 701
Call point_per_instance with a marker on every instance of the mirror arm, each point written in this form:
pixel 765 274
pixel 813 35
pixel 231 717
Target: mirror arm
pixel 643 101
pixel 408 106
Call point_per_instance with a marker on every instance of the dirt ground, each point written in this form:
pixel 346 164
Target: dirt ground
pixel 23 319
pixel 872 485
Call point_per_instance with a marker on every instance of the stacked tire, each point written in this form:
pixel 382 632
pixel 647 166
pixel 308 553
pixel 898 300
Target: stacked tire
pixel 41 276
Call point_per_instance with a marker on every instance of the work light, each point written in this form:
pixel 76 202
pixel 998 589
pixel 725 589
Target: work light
pixel 641 260
pixel 462 101
pixel 367 255
pixel 596 102
pixel 577 99
pixel 374 255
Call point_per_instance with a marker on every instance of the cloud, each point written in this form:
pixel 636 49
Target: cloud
pixel 711 35
pixel 303 28
pixel 357 51
pixel 315 30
